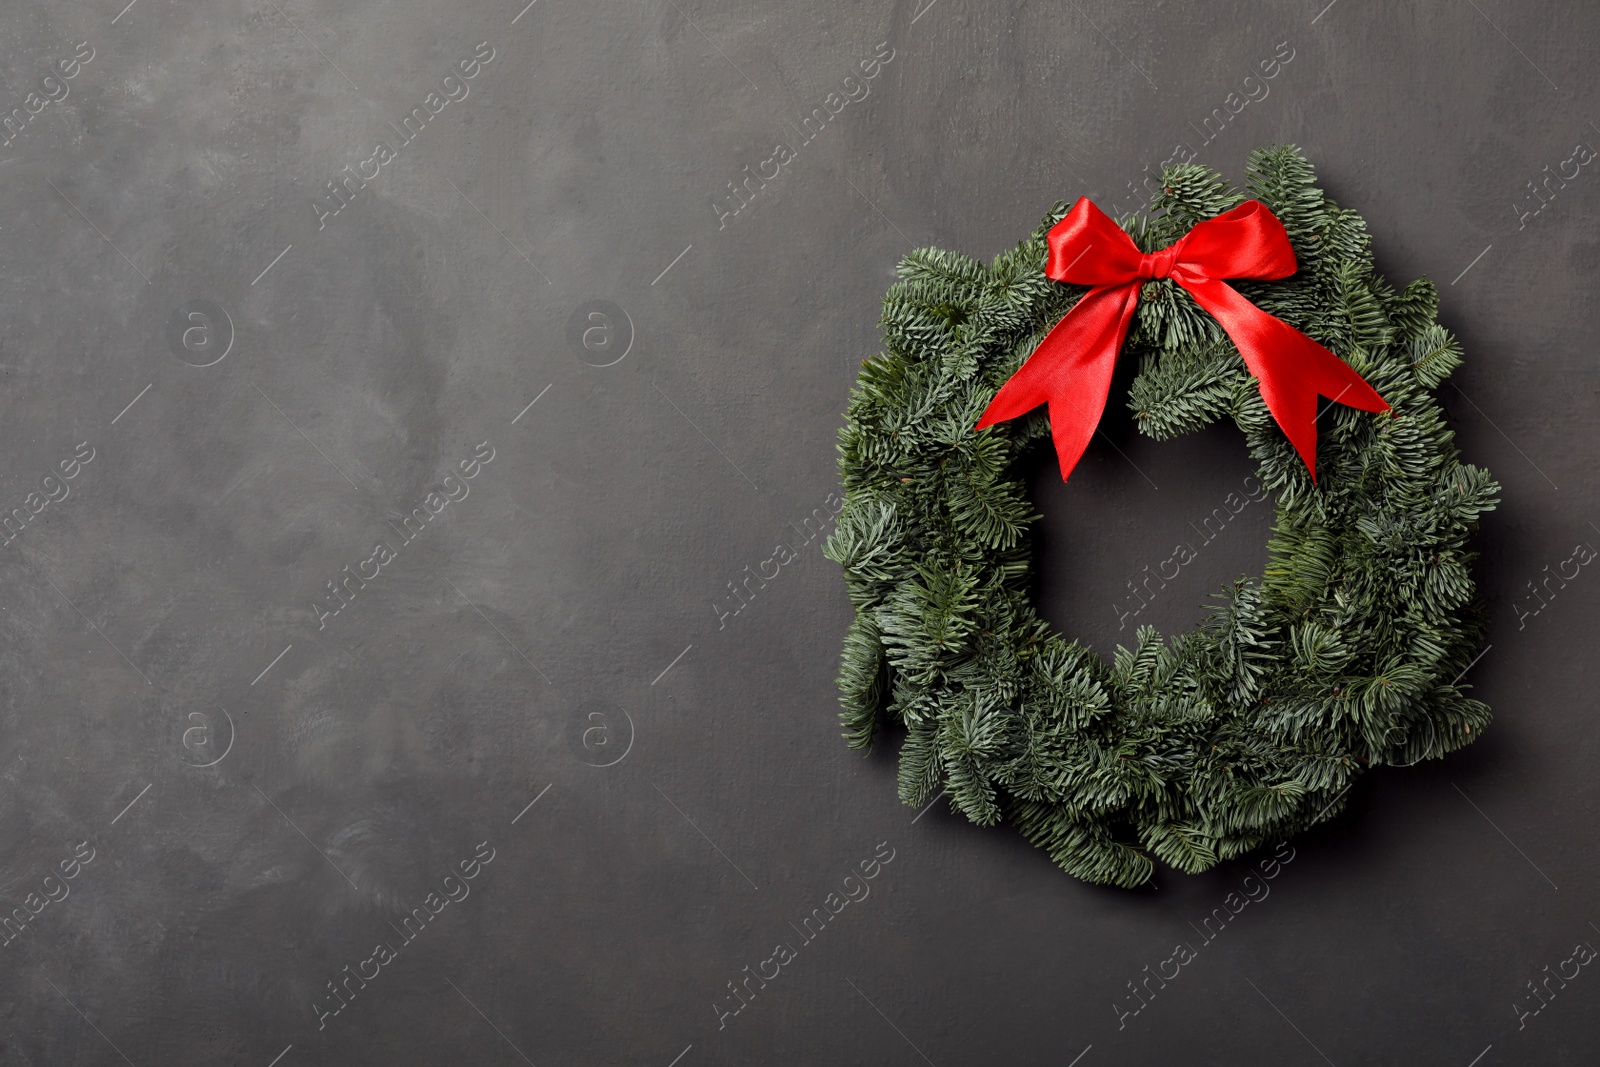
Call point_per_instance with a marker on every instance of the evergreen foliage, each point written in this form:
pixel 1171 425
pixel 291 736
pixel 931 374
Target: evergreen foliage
pixel 1346 653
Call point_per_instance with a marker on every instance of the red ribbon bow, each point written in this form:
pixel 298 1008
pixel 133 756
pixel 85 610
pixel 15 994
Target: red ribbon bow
pixel 1071 368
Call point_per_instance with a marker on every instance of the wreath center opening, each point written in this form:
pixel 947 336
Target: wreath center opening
pixel 1144 532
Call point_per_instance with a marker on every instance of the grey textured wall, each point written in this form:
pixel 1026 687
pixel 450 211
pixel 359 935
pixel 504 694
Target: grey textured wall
pixel 224 788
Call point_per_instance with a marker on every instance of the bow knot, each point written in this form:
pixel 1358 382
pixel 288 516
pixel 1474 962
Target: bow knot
pixel 1071 368
pixel 1153 266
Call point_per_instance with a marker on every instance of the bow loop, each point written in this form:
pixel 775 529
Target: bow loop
pixel 1088 248
pixel 1246 242
pixel 1071 369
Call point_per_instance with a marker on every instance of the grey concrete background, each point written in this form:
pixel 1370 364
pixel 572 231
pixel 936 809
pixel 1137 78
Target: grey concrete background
pixel 262 800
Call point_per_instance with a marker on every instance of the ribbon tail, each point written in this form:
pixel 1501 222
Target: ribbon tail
pixel 1071 371
pixel 1291 368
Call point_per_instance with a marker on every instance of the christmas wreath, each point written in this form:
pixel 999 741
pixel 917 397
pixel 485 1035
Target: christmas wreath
pixel 1347 652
